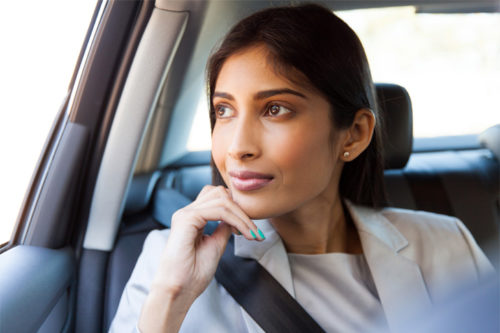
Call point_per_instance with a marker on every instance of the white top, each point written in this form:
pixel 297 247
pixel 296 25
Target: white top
pixel 338 291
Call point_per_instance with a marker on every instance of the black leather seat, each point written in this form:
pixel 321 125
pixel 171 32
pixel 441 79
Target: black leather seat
pixel 460 183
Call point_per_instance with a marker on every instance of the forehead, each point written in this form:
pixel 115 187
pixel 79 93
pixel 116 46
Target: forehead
pixel 257 66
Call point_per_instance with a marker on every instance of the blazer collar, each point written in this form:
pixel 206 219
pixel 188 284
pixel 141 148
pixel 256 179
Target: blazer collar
pixel 399 282
pixel 372 221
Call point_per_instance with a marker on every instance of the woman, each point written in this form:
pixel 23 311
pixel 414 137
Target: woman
pixel 296 145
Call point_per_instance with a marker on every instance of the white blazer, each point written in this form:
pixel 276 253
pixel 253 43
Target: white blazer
pixel 416 259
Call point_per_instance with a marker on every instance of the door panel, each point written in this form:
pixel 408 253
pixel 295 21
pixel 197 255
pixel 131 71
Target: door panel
pixel 38 282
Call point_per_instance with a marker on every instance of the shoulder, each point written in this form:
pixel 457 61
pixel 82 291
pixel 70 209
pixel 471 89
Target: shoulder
pixel 420 223
pixel 414 227
pixel 439 242
pixel 436 242
pixel 431 233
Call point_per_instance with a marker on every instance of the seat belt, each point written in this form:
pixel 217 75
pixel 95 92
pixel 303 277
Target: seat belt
pixel 262 297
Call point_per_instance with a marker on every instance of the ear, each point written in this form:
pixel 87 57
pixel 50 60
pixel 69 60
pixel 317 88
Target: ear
pixel 358 135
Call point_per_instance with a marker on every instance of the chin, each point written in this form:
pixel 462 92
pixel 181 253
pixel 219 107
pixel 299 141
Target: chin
pixel 257 208
pixel 258 213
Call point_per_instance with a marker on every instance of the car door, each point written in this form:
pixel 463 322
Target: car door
pixel 39 264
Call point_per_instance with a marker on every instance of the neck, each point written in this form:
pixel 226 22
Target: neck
pixel 319 227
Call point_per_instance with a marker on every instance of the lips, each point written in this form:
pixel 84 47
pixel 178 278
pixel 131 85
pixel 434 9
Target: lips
pixel 249 180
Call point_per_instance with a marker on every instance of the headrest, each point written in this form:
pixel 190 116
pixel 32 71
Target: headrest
pixel 395 108
pixel 166 202
pixel 490 139
pixel 168 198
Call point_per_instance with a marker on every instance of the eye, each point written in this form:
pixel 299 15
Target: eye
pixel 223 111
pixel 276 110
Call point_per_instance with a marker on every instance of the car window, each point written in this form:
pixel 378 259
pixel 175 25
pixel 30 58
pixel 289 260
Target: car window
pixel 449 63
pixel 41 41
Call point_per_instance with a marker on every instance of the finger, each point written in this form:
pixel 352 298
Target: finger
pixel 205 190
pixel 221 212
pixel 249 222
pixel 220 195
pixel 235 231
pixel 225 193
pixel 226 201
pixel 234 208
pixel 212 197
pixel 210 192
pixel 220 237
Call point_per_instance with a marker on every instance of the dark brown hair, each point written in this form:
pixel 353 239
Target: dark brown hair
pixel 312 40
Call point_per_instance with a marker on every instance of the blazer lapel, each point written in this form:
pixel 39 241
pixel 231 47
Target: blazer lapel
pixel 399 282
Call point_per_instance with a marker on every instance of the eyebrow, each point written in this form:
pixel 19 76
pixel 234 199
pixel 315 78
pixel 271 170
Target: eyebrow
pixel 263 94
pixel 269 93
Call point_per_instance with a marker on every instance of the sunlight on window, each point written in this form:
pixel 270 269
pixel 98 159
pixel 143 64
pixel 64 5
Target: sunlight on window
pixel 41 41
pixel 199 137
pixel 449 63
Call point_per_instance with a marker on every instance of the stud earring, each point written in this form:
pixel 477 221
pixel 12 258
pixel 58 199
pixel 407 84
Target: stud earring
pixel 346 154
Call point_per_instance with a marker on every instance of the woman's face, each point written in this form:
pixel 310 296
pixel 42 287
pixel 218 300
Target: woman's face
pixel 272 139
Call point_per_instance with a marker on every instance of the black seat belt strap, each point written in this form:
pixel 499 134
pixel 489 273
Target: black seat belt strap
pixel 262 297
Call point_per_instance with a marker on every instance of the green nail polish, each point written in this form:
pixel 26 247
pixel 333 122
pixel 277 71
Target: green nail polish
pixel 253 234
pixel 238 232
pixel 261 234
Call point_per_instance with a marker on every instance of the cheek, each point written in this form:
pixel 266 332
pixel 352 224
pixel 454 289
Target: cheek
pixel 290 152
pixel 304 151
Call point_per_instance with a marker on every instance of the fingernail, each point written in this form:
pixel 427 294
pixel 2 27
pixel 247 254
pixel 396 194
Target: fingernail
pixel 253 234
pixel 238 232
pixel 261 234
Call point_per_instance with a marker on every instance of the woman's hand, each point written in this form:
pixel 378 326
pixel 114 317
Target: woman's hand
pixel 190 258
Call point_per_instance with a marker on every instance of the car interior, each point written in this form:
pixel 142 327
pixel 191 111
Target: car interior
pixel 116 164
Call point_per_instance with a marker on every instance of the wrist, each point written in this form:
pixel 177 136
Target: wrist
pixel 172 293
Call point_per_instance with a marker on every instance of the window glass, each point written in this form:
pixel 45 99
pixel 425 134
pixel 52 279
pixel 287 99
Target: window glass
pixel 41 41
pixel 199 137
pixel 449 63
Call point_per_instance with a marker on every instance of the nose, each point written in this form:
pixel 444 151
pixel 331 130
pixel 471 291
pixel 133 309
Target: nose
pixel 245 140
